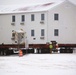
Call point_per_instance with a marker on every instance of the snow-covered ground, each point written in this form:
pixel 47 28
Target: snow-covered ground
pixel 38 64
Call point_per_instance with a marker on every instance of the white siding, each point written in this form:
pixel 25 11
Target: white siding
pixel 66 23
pixel 37 26
pixel 7 28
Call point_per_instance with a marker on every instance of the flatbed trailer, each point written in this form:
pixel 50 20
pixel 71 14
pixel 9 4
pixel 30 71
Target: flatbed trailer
pixel 67 48
pixel 35 48
pixel 8 49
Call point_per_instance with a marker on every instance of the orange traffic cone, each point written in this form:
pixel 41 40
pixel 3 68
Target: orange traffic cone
pixel 20 53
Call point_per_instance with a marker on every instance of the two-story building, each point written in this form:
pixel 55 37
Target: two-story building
pixel 42 23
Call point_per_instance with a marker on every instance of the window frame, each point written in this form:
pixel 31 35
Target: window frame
pixel 56 16
pixel 42 32
pixel 42 17
pixel 32 17
pixel 13 18
pixel 22 18
pixel 56 32
pixel 32 32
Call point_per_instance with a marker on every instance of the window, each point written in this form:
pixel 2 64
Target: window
pixel 56 16
pixel 42 17
pixel 13 35
pixel 56 32
pixel 32 33
pixel 32 17
pixel 13 18
pixel 42 32
pixel 23 18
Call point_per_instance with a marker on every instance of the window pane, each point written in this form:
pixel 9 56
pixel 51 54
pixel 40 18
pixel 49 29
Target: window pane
pixel 32 32
pixel 23 18
pixel 13 18
pixel 32 17
pixel 42 16
pixel 42 32
pixel 56 16
pixel 56 32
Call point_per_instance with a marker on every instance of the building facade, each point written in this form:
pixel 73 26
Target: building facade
pixel 41 23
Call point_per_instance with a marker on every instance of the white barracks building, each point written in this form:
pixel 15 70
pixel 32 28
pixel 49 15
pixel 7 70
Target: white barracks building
pixel 42 23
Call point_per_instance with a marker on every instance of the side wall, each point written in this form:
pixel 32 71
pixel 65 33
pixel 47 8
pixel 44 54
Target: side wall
pixel 66 23
pixel 6 28
pixel 36 26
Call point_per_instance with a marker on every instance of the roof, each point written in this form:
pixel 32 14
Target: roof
pixel 35 7
pixel 23 8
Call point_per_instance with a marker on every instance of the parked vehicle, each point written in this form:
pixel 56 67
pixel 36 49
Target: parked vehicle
pixel 34 28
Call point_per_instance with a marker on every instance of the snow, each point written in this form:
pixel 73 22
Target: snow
pixel 36 7
pixel 28 8
pixel 20 31
pixel 38 64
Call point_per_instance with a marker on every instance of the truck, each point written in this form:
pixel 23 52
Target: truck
pixel 33 28
pixel 22 44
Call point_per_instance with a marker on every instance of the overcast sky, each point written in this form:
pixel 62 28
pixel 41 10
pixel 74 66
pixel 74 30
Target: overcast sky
pixel 27 2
